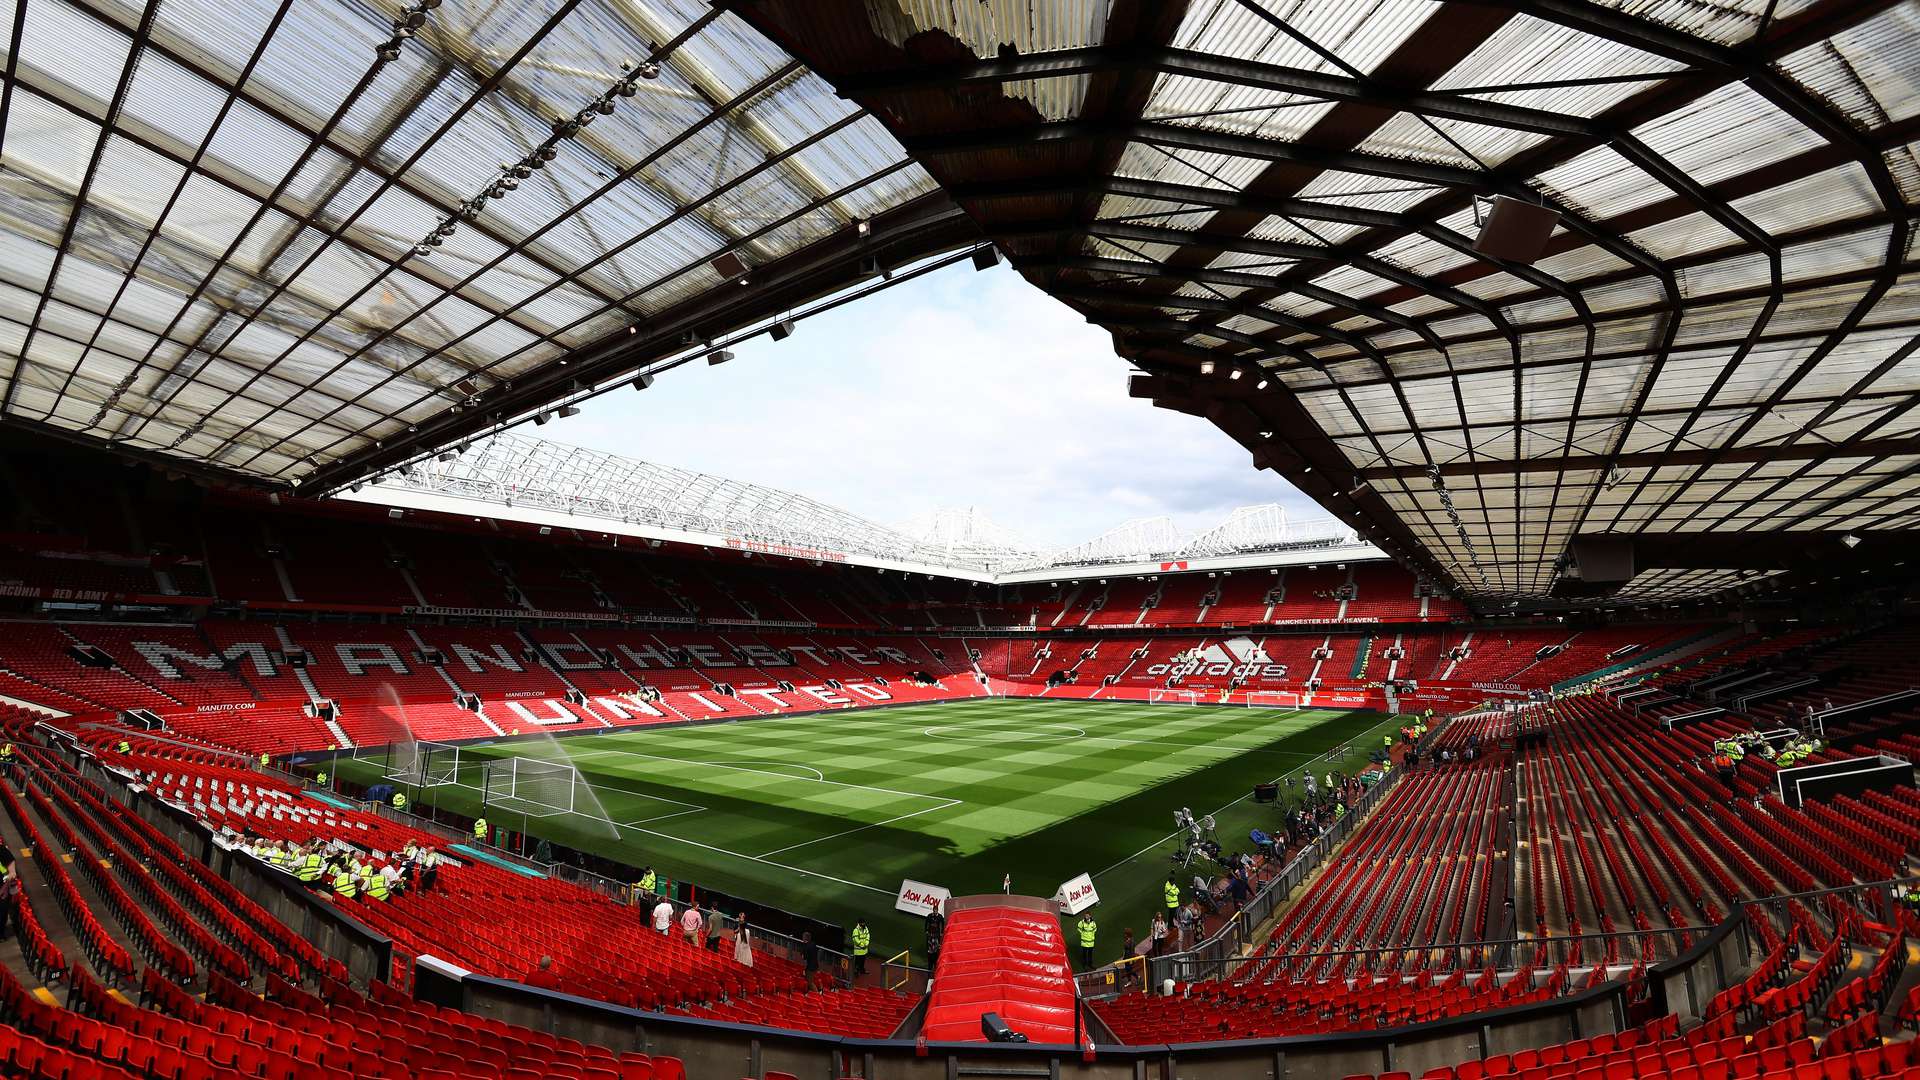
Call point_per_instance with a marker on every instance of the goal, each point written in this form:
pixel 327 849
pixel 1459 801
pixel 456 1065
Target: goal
pixel 1173 697
pixel 1270 699
pixel 422 764
pixel 531 786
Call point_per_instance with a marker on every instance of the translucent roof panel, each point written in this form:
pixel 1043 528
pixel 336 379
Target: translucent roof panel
pixel 1718 337
pixel 268 237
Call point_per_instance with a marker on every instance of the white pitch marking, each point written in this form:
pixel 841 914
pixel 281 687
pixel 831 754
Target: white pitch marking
pixel 817 774
pixel 1308 767
pixel 1008 736
pixel 863 828
pixel 692 809
pixel 755 858
pixel 758 772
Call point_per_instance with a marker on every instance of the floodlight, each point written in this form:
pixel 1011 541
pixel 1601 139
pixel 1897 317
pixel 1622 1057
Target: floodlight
pixel 1850 540
pixel 569 410
pixel 1206 367
pixel 540 419
pixel 718 356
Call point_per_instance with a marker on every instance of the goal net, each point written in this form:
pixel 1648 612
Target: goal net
pixel 530 786
pixel 1174 697
pixel 1271 699
pixel 423 764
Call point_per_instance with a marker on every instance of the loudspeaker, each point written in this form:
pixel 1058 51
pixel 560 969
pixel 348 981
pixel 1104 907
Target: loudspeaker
pixel 1516 231
pixel 994 1029
pixel 1275 456
pixel 728 265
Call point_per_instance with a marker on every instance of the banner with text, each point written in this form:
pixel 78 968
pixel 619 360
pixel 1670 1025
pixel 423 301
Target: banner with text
pixel 920 898
pixel 1077 895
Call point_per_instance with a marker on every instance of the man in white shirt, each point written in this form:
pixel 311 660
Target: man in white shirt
pixel 663 917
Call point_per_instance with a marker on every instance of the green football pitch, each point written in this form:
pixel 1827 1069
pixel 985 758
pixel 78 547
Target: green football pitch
pixel 823 814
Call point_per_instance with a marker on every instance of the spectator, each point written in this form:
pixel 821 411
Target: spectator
pixel 743 944
pixel 542 976
pixel 936 935
pixel 663 917
pixel 809 956
pixel 1157 933
pixel 9 891
pixel 690 925
pixel 715 923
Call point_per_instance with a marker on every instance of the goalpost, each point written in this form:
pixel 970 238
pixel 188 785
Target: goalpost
pixel 531 786
pixel 421 764
pixel 1271 699
pixel 1173 697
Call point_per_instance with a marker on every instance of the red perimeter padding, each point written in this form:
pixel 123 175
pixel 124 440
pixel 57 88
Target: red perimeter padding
pixel 1006 961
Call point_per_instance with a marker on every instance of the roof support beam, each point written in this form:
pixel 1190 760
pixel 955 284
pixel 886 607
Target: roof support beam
pixel 1652 459
pixel 1210 67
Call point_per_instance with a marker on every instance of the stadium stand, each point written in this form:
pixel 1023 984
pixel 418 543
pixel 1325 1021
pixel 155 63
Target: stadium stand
pixel 1587 324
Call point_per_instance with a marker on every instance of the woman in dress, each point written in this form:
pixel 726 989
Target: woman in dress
pixel 743 943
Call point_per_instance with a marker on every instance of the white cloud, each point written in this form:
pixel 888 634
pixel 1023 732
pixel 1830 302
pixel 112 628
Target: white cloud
pixel 957 389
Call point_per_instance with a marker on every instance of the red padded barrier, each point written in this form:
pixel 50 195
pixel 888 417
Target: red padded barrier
pixel 1003 960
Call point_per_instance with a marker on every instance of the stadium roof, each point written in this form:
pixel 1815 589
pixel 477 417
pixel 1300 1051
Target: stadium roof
pixel 1273 206
pixel 514 475
pixel 209 218
pixel 258 235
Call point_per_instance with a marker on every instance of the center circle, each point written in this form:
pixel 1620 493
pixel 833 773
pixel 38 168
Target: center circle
pixel 969 735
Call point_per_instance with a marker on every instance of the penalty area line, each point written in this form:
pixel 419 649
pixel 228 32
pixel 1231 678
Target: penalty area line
pixel 756 858
pixel 863 828
pixel 692 808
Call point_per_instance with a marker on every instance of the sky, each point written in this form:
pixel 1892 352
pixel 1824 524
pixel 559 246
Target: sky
pixel 958 389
